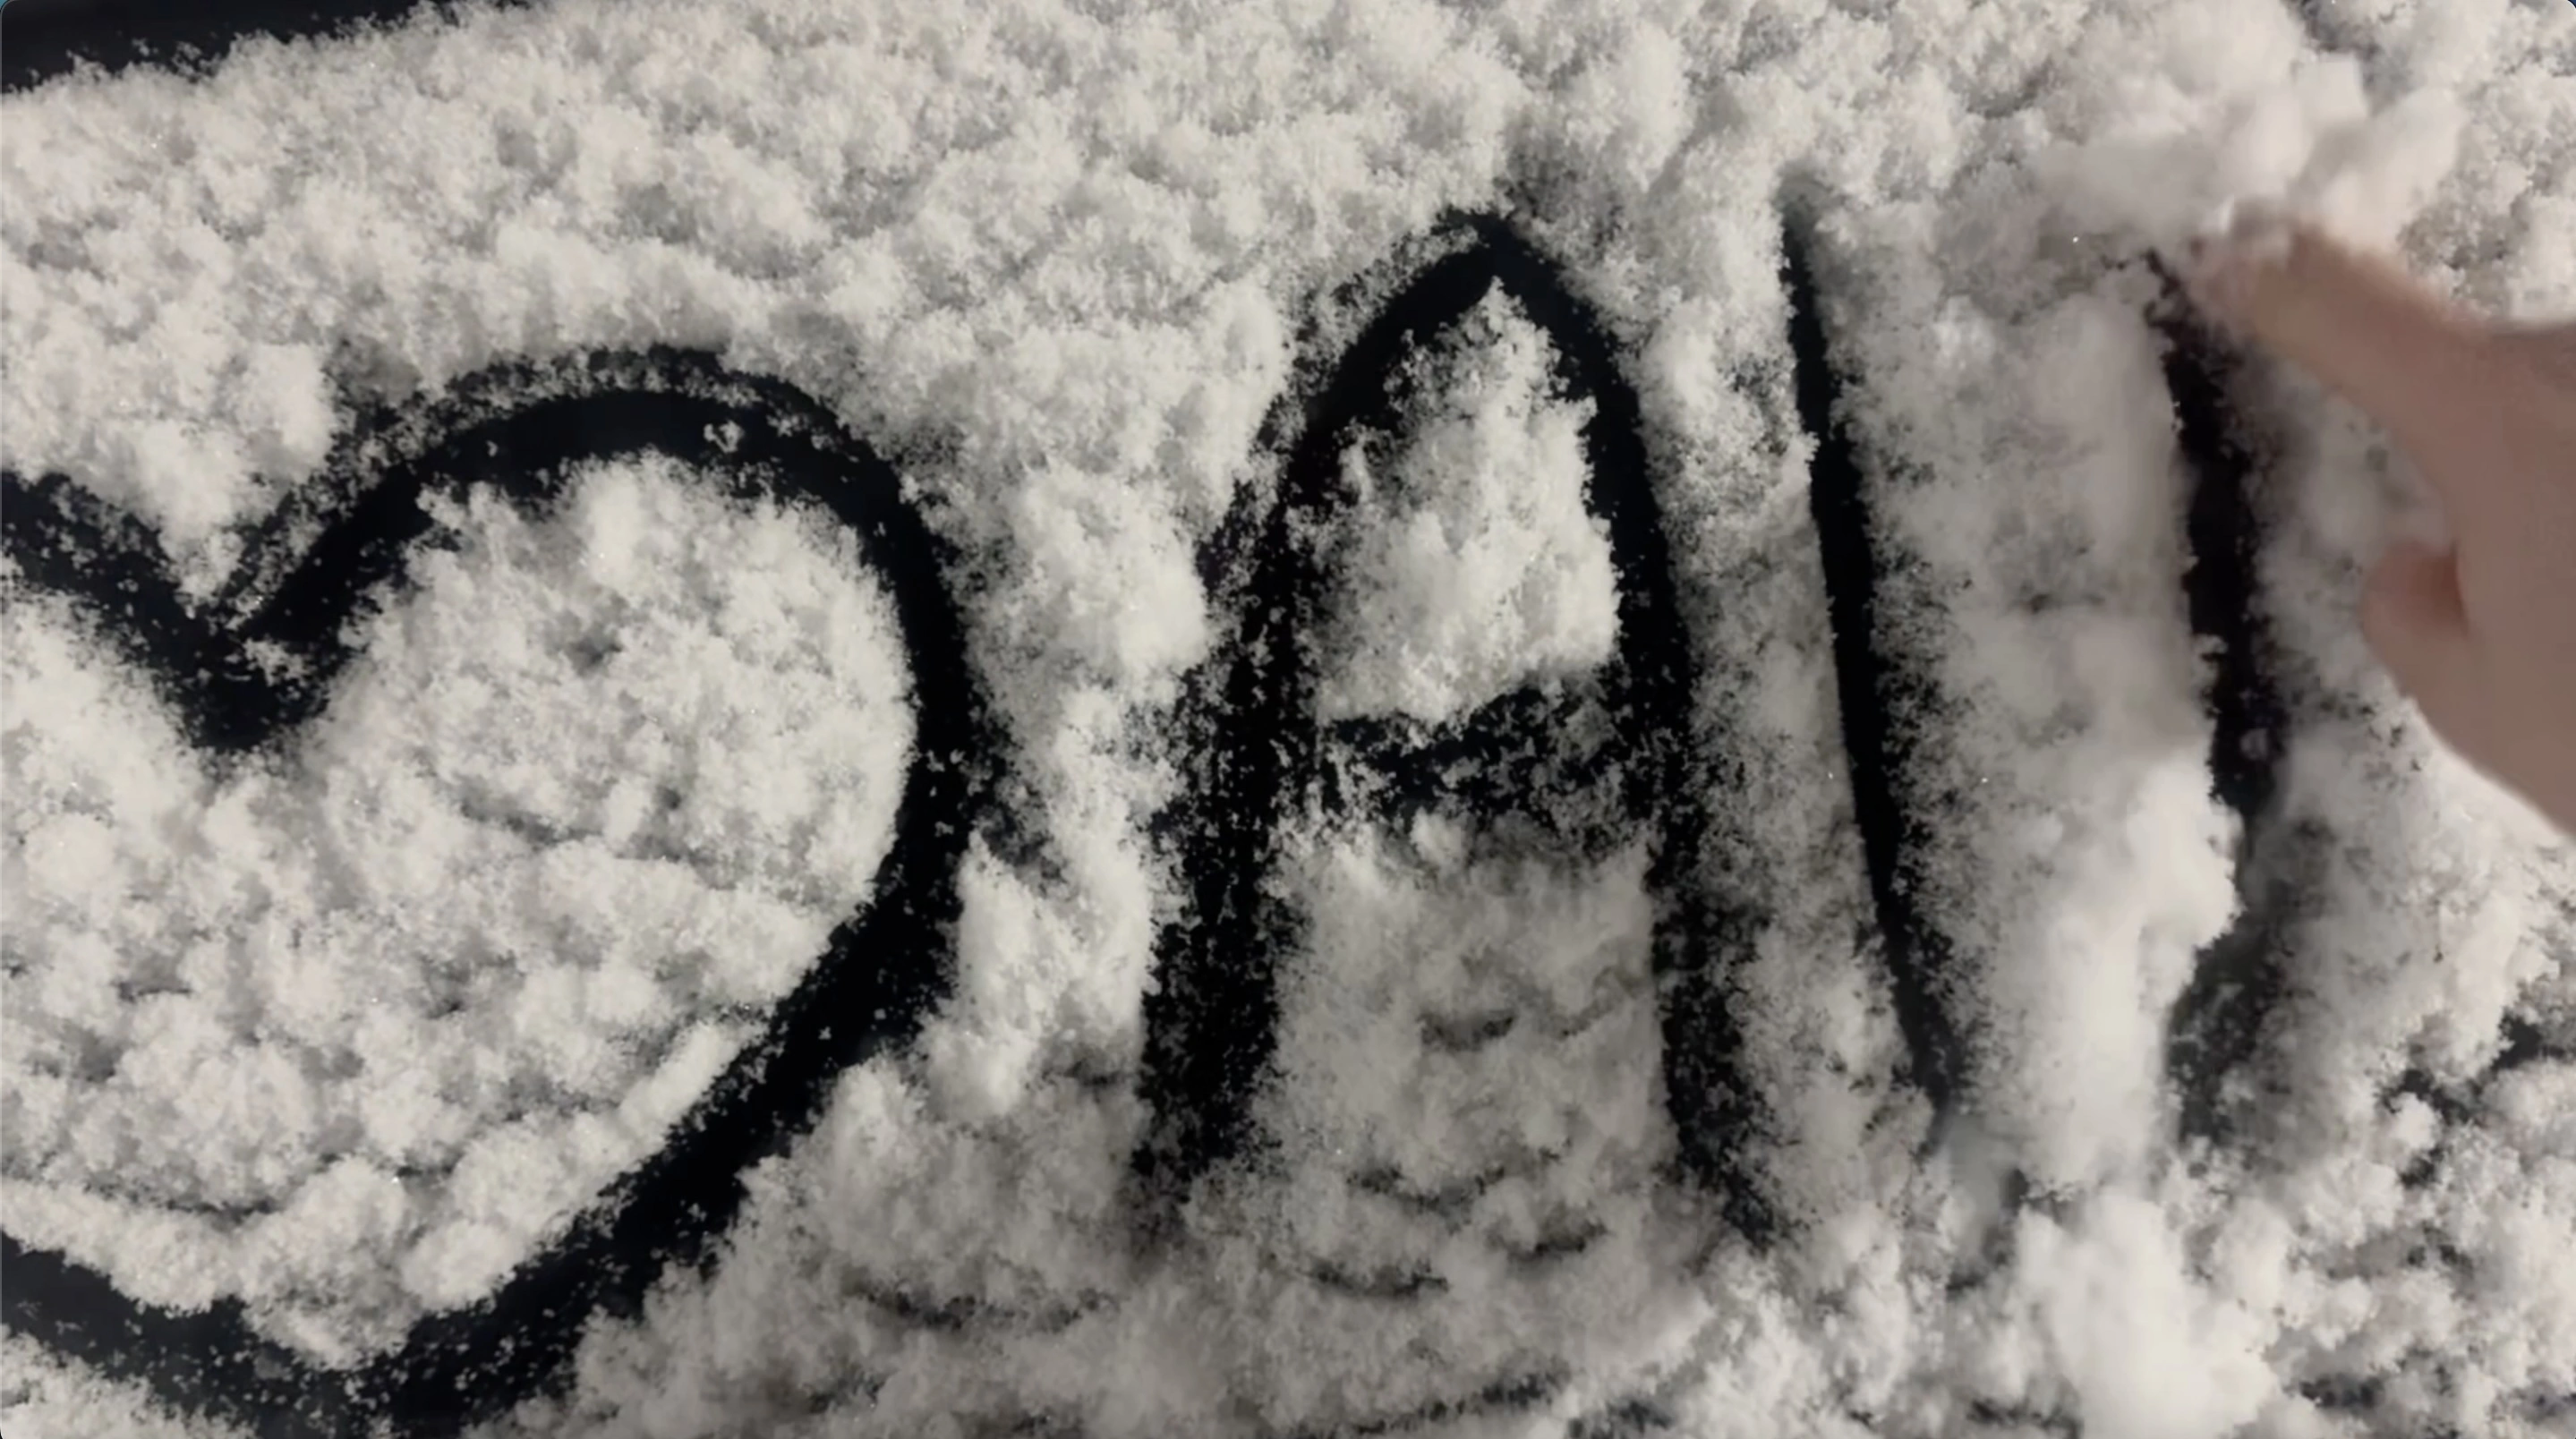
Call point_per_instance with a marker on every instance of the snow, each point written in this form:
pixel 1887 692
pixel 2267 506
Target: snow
pixel 537 851
pixel 347 1029
pixel 1476 567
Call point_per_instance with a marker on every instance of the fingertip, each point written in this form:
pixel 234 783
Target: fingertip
pixel 2414 587
pixel 2231 254
pixel 2354 319
pixel 2413 620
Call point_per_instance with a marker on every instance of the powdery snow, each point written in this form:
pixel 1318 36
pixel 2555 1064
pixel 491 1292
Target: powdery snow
pixel 347 1030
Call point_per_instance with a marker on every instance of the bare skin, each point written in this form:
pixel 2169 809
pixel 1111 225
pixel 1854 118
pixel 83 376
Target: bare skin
pixel 2482 635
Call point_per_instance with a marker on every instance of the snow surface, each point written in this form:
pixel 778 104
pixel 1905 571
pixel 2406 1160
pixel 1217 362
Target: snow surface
pixel 345 1033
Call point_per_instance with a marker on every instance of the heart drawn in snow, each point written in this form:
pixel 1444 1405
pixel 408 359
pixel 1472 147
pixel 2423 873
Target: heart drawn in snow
pixel 754 984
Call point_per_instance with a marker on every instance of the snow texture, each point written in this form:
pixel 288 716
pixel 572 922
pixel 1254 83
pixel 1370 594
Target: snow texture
pixel 345 1031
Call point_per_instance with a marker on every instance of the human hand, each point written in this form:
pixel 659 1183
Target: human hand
pixel 2481 635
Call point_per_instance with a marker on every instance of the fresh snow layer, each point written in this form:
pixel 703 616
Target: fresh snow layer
pixel 345 1031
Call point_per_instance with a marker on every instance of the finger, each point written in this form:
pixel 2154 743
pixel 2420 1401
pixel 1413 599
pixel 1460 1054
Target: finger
pixel 2551 350
pixel 2412 616
pixel 2371 332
